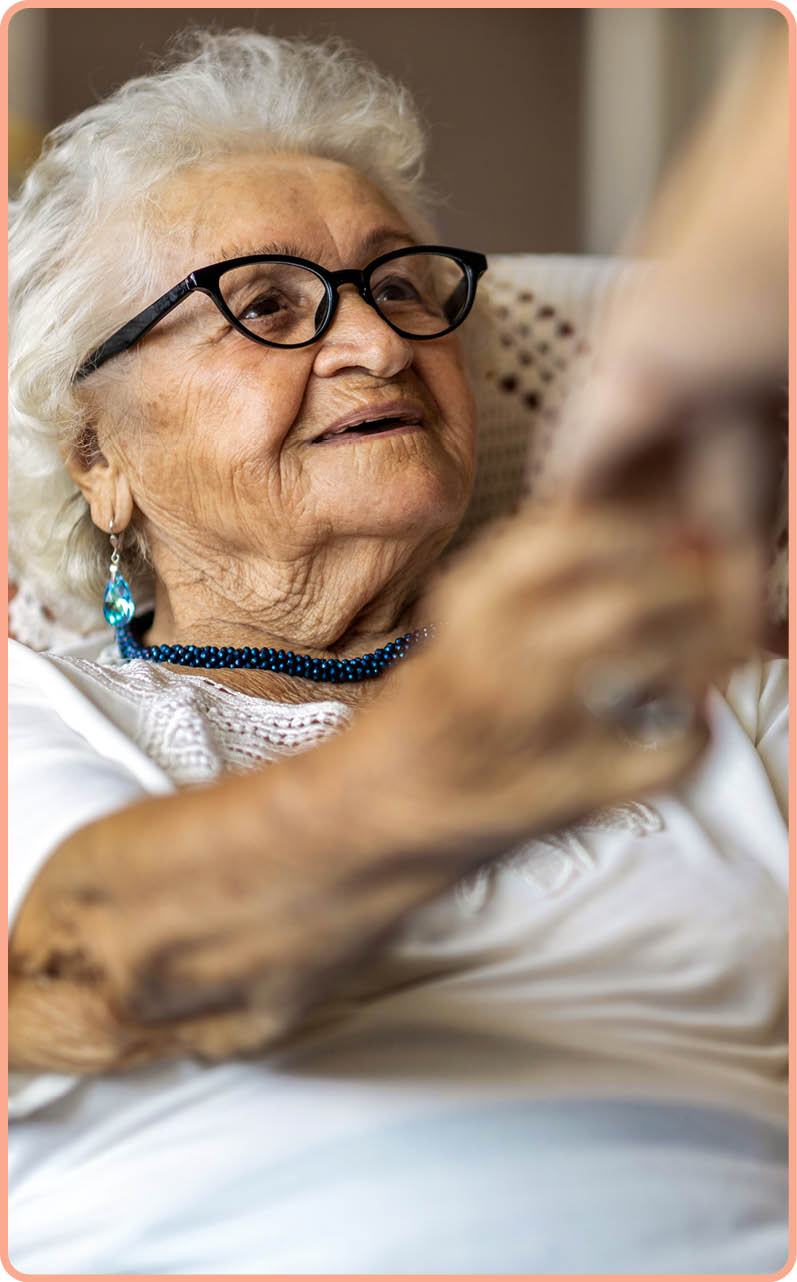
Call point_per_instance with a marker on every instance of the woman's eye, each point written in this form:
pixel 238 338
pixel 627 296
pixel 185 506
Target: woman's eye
pixel 398 289
pixel 266 305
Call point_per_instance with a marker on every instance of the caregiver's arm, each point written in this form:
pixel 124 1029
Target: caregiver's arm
pixel 687 406
pixel 212 920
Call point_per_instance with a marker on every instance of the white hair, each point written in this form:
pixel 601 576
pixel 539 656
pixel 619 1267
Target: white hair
pixel 72 282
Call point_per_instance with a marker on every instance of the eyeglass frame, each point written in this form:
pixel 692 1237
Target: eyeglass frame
pixel 206 281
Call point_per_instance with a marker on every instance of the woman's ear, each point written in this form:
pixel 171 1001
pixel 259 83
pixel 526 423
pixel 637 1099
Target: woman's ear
pixel 102 484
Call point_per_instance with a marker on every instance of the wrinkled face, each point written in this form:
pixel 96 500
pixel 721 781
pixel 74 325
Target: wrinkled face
pixel 228 464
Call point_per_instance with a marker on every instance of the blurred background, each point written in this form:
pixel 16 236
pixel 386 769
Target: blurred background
pixel 548 126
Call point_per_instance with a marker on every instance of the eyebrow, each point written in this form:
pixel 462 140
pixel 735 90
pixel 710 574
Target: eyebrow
pixel 380 236
pixel 376 238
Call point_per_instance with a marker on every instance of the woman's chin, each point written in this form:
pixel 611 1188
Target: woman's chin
pixel 416 500
pixel 398 483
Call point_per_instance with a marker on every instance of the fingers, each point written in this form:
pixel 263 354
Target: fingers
pixel 228 1034
pixel 591 585
pixel 548 553
pixel 579 771
pixel 710 462
pixel 541 550
pixel 620 767
pixel 65 1026
pixel 503 704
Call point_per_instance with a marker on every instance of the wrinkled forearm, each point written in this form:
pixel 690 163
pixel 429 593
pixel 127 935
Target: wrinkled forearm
pixel 214 919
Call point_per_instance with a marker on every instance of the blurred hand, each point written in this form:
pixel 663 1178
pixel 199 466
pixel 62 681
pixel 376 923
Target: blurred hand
pixel 686 410
pixel 499 738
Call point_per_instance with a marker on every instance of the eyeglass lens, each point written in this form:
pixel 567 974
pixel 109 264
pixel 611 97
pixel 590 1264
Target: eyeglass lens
pixel 420 294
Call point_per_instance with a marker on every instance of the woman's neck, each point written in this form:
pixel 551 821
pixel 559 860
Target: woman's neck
pixel 279 688
pixel 330 606
pixel 343 617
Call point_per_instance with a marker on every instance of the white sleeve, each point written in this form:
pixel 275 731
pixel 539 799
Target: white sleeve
pixel 59 781
pixel 772 732
pixel 758 693
pixel 57 784
pixel 67 766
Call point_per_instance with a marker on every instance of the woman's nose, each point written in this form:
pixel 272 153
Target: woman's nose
pixel 359 338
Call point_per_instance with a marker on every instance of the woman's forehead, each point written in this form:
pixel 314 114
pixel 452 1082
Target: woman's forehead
pixel 302 205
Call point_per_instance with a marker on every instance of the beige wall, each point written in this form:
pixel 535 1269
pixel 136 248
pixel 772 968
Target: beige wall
pixel 500 90
pixel 548 126
pixel 28 112
pixel 647 73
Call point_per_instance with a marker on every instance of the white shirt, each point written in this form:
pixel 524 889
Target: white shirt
pixel 575 1061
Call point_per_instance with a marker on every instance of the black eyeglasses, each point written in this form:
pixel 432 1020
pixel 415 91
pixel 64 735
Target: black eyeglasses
pixel 424 291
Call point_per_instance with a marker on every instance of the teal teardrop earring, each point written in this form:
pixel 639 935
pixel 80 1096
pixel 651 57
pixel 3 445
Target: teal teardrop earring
pixel 118 605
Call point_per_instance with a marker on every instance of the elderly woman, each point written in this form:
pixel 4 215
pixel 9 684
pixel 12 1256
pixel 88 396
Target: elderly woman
pixel 288 990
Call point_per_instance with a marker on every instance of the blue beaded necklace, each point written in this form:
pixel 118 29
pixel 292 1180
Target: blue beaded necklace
pixel 266 659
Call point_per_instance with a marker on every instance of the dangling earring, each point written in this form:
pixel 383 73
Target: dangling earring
pixel 118 605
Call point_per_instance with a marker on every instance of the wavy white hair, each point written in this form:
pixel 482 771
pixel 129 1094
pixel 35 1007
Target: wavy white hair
pixel 72 282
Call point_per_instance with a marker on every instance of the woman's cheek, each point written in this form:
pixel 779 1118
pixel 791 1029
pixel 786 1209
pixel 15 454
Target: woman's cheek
pixel 447 378
pixel 460 413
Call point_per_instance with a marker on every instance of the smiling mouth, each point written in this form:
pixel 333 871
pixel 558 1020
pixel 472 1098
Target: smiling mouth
pixel 388 426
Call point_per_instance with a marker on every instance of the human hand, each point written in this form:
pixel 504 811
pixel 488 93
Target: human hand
pixel 499 740
pixel 686 408
pixel 677 417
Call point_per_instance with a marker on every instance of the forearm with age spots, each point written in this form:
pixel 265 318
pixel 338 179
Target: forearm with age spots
pixel 212 921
